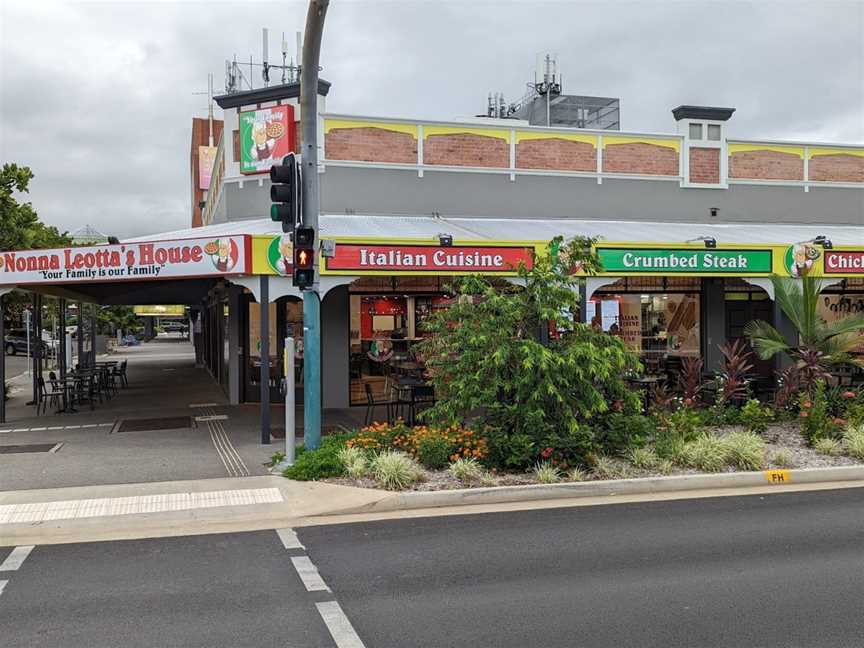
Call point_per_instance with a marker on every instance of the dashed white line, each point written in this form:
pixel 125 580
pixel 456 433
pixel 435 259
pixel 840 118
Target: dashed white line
pixel 289 539
pixel 308 573
pixel 337 623
pixel 16 558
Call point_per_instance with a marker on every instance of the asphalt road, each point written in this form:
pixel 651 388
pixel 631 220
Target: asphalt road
pixel 782 570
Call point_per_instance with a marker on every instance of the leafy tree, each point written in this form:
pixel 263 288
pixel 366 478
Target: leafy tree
pixel 820 345
pixel 20 228
pixel 490 361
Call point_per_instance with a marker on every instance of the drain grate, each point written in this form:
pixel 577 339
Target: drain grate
pixel 155 424
pixel 32 447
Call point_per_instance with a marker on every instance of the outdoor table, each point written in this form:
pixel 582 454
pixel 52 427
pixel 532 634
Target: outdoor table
pixel 67 384
pixel 409 384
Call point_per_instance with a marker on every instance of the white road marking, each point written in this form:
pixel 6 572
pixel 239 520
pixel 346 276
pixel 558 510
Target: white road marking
pixel 56 427
pixel 56 447
pixel 39 429
pixel 289 539
pixel 137 504
pixel 308 573
pixel 211 417
pixel 198 405
pixel 340 627
pixel 231 459
pixel 15 559
pixel 3 585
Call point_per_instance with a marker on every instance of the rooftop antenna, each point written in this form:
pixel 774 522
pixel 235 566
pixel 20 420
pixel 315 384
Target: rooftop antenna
pixel 265 43
pixel 209 94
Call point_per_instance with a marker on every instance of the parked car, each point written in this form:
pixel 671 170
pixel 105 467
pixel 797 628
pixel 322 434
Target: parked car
pixel 16 342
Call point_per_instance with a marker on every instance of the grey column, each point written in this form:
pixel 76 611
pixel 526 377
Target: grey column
pixel 335 348
pixel 2 360
pixel 93 308
pixel 264 301
pixel 713 322
pixel 235 344
pixel 61 342
pixel 80 334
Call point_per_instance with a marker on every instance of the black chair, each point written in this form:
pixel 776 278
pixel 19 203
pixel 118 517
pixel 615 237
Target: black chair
pixel 85 390
pixel 46 397
pixel 421 396
pixel 372 403
pixel 120 372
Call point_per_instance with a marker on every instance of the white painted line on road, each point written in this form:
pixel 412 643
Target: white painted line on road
pixel 106 425
pixel 308 573
pixel 289 539
pixel 3 584
pixel 194 405
pixel 211 417
pixel 56 427
pixel 89 425
pixel 337 623
pixel 15 559
pixel 56 447
pixel 137 504
pixel 39 429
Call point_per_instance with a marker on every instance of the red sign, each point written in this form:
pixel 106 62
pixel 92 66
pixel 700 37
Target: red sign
pixel 837 262
pixel 414 259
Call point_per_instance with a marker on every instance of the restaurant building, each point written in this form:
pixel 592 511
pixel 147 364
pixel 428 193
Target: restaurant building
pixel 691 226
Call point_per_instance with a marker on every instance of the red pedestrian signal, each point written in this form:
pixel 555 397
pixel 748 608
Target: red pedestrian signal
pixel 304 257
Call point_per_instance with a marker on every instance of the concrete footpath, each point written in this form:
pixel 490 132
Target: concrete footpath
pixel 177 508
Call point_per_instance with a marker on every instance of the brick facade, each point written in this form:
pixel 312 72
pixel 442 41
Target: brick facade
pixel 766 165
pixel 466 149
pixel 370 145
pixel 705 165
pixel 837 168
pixel 200 137
pixel 556 154
pixel 640 158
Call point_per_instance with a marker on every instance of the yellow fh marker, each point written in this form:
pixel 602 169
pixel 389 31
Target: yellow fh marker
pixel 778 476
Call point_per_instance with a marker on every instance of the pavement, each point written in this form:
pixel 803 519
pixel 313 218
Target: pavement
pixel 770 570
pixel 163 382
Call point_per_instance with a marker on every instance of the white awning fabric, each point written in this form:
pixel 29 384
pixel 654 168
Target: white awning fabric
pixel 531 229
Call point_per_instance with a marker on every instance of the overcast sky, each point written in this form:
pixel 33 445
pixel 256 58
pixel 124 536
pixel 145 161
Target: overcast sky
pixel 97 97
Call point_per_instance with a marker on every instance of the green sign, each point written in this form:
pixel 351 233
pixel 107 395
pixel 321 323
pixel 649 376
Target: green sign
pixel 266 136
pixel 672 261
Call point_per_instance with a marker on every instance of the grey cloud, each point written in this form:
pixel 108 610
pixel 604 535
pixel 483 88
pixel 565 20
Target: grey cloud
pixel 97 97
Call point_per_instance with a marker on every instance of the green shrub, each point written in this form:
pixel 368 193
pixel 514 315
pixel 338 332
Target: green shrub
pixel 546 473
pixel 782 458
pixel 354 462
pixel 853 441
pixel 675 431
pixel 706 453
pixel 815 422
pixel 625 431
pixel 276 458
pixel 395 470
pixel 604 467
pixel 644 458
pixel 664 466
pixel 320 463
pixel 510 450
pixel 434 452
pixel 467 471
pixel 576 475
pixel 488 479
pixel 746 450
pixel 756 417
pixel 828 446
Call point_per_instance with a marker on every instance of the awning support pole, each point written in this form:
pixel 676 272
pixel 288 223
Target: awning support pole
pixel 61 343
pixel 264 302
pixel 2 360
pixel 93 335
pixel 80 334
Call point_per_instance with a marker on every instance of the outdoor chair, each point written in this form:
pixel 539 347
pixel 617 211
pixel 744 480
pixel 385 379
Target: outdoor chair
pixel 120 372
pixel 52 380
pixel 47 397
pixel 84 390
pixel 372 403
pixel 422 396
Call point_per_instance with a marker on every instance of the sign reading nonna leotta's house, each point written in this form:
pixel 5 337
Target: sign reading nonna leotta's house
pixel 266 136
pixel 175 259
pixel 650 260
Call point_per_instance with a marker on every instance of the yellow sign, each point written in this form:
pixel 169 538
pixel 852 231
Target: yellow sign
pixel 160 311
pixel 778 476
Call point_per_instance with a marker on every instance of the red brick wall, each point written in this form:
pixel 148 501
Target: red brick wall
pixel 837 168
pixel 466 149
pixel 640 158
pixel 370 145
pixel 705 165
pixel 766 165
pixel 556 154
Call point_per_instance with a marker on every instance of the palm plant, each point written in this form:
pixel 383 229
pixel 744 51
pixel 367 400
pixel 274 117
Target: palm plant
pixel 820 344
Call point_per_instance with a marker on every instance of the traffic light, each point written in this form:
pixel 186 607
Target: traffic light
pixel 285 192
pixel 304 257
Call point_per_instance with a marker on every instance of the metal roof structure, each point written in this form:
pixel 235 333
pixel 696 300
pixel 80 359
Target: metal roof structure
pixel 532 229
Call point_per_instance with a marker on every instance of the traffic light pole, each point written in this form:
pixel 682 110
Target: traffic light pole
pixel 310 207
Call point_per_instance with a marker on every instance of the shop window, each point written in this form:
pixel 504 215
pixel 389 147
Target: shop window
pixel 714 132
pixel 833 307
pixel 695 131
pixel 659 326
